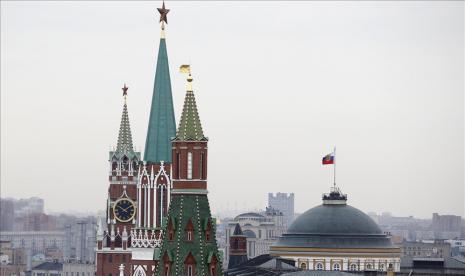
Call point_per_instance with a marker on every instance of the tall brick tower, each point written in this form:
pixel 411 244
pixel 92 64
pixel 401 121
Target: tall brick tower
pixel 139 192
pixel 154 182
pixel 189 244
pixel 113 243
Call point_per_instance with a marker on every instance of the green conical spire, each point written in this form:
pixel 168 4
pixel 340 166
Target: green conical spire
pixel 125 137
pixel 190 127
pixel 162 125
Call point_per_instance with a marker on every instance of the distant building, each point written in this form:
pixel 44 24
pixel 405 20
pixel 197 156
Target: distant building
pixel 337 237
pixel 446 226
pixel 63 269
pixel 37 241
pixel 7 214
pixel 285 203
pixel 13 261
pixel 261 230
pixel 457 246
pixel 435 249
pixel 431 266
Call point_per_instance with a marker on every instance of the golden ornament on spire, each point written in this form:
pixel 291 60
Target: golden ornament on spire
pixel 186 69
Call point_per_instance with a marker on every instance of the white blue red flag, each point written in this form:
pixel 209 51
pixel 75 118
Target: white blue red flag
pixel 328 159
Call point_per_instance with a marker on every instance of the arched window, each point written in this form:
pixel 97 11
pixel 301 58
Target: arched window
pixel 166 264
pixel 319 266
pixel 189 231
pixel 381 266
pixel 303 266
pixel 139 271
pixel 353 267
pixel 336 266
pixel 213 265
pixel 170 230
pixel 369 266
pixel 208 231
pixel 189 265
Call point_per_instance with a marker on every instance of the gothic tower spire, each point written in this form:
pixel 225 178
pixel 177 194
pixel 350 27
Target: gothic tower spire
pixel 124 144
pixel 162 126
pixel 189 244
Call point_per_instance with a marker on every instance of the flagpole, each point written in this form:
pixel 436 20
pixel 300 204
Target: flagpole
pixel 334 167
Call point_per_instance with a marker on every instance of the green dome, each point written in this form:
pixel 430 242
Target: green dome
pixel 334 224
pixel 334 219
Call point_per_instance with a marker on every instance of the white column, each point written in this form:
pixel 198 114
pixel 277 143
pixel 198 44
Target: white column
pixel 139 202
pixel 148 204
pixel 161 204
pixel 145 204
pixel 155 202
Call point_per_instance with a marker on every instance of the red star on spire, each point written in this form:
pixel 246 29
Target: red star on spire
pixel 125 90
pixel 163 12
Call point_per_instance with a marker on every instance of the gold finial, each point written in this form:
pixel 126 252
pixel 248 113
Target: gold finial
pixel 186 69
pixel 125 92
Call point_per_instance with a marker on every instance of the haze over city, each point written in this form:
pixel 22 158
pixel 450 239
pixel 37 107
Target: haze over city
pixel 278 86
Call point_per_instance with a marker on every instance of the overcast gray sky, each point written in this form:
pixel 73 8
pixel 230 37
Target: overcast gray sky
pixel 278 84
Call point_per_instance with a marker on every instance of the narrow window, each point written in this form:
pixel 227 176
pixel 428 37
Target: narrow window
pixel 189 235
pixel 189 270
pixel 178 165
pixel 189 165
pixel 201 166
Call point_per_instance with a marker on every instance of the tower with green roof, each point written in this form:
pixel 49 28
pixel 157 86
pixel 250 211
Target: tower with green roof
pixel 162 125
pixel 188 243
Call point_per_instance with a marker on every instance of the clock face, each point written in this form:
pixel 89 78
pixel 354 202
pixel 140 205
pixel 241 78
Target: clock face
pixel 124 210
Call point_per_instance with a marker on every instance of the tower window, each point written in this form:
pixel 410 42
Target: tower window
pixel 190 270
pixel 189 165
pixel 178 172
pixel 189 231
pixel 201 166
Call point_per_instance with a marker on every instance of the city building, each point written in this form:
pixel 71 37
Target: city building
pixel 285 203
pixel 13 261
pixel 336 236
pixel 56 268
pixel 431 266
pixel 457 247
pixel 261 229
pixel 446 226
pixel 237 247
pixel 36 241
pixel 189 244
pixel 433 249
pixel 139 190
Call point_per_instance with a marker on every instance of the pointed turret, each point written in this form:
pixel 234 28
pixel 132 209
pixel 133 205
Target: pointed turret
pixel 237 247
pixel 162 125
pixel 189 244
pixel 125 137
pixel 190 127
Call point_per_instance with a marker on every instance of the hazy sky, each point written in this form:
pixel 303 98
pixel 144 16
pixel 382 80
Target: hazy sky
pixel 278 84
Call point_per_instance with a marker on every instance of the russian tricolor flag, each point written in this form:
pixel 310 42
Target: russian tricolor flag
pixel 328 159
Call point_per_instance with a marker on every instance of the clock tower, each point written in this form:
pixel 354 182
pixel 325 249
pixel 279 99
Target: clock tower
pixel 140 189
pixel 121 206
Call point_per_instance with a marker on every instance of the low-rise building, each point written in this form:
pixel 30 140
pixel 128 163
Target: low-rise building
pixel 433 249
